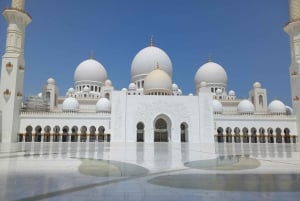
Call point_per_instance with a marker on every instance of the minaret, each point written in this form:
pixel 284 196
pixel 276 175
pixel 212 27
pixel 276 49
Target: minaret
pixel 293 29
pixel 12 71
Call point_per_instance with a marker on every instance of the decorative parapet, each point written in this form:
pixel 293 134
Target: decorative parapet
pixel 254 117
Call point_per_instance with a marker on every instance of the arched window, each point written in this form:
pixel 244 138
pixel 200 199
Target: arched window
pixel 92 134
pixel 74 133
pixel 220 135
pixel 270 135
pixel 47 131
pixel 262 137
pixel 260 100
pixel 287 137
pixel 28 135
pixel 253 135
pixel 245 135
pixel 237 138
pixel 140 132
pixel 101 131
pixel 65 134
pixel 278 135
pixel 56 130
pixel 228 135
pixel 83 135
pixel 38 134
pixel 184 132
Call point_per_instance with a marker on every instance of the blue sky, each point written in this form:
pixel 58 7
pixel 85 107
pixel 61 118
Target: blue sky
pixel 245 37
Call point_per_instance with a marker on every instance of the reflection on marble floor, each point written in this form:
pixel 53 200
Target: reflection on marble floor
pixel 141 171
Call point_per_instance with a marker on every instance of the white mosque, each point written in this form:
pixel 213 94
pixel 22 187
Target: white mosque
pixel 151 109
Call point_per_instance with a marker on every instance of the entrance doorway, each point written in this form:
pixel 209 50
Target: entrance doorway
pixel 161 131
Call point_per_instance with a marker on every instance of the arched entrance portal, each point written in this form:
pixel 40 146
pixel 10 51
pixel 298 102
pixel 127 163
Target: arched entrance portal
pixel 161 133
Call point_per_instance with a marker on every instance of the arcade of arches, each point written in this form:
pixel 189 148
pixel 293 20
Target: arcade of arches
pixel 64 134
pixel 254 135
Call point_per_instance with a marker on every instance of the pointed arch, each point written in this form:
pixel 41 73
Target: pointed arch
pixel 162 128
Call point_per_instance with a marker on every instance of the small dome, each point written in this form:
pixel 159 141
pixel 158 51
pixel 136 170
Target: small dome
pixel 124 89
pixel 191 94
pixel 70 105
pixel 277 107
pixel 217 106
pixel 245 107
pixel 158 79
pixel 289 110
pixel 219 91
pixel 132 86
pixel 108 83
pixel 256 85
pixel 212 73
pixel 71 90
pixel 146 59
pixel 179 92
pixel 86 89
pixel 103 105
pixel 174 87
pixel 231 93
pixel 51 81
pixel 40 95
pixel 90 70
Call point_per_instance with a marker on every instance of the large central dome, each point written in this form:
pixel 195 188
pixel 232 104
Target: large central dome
pixel 146 60
pixel 90 70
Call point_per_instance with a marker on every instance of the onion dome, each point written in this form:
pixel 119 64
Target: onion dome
pixel 103 105
pixel 217 107
pixel 132 86
pixel 86 89
pixel 70 104
pixel 174 87
pixel 289 110
pixel 158 81
pixel 219 91
pixel 277 107
pixel 256 85
pixel 146 59
pixel 90 70
pixel 211 73
pixel 179 92
pixel 245 107
pixel 231 93
pixel 51 81
pixel 108 83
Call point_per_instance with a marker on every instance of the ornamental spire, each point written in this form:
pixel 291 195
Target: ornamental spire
pixel 294 10
pixel 92 54
pixel 151 41
pixel 209 58
pixel 18 4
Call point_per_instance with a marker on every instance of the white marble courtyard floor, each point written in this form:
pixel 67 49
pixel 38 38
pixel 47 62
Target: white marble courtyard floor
pixel 159 171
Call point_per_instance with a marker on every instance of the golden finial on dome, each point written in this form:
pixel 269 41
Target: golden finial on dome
pixel 151 41
pixel 209 58
pixel 92 54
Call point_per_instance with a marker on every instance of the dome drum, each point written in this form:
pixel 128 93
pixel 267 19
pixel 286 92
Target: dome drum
pixel 159 92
